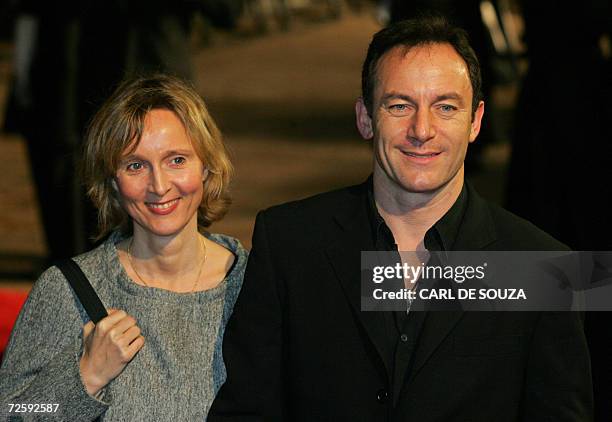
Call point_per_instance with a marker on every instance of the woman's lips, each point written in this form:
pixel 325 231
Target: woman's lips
pixel 162 208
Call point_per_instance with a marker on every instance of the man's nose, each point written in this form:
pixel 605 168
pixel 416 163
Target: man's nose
pixel 159 183
pixel 421 127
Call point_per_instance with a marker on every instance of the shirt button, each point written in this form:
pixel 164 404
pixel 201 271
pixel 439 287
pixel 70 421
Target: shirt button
pixel 382 395
pixel 404 338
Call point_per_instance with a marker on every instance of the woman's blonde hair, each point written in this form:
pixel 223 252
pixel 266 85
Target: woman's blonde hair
pixel 120 121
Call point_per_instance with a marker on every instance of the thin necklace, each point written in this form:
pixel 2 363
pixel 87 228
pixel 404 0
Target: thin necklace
pixel 129 254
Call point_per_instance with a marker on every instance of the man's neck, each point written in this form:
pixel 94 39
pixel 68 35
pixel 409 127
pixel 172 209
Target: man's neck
pixel 410 214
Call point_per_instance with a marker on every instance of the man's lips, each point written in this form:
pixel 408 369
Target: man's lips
pixel 421 154
pixel 421 157
pixel 162 208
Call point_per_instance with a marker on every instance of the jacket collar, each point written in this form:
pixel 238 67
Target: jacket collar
pixel 353 236
pixel 475 231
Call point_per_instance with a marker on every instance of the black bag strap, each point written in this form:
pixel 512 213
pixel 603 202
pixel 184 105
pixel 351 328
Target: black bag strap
pixel 83 289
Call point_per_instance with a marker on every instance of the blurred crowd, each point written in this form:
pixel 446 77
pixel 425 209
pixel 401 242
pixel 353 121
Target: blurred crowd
pixel 68 57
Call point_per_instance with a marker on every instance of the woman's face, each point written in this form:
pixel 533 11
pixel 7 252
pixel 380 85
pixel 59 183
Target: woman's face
pixel 160 183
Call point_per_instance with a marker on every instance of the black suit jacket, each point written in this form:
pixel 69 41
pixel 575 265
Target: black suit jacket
pixel 298 348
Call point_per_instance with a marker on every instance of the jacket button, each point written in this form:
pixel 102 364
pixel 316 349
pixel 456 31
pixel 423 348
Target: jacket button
pixel 382 396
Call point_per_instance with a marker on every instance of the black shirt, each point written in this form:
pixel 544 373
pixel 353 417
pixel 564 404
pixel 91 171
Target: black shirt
pixel 440 237
pixel 403 328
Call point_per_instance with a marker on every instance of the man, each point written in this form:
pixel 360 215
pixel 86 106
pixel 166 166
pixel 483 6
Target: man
pixel 298 347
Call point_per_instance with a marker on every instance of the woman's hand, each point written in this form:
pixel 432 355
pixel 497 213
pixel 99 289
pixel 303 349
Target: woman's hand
pixel 108 347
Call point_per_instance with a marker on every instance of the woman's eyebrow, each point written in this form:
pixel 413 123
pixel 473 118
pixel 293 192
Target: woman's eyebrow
pixel 129 157
pixel 178 152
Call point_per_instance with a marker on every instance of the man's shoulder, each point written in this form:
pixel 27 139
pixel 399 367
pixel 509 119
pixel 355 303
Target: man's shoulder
pixel 516 233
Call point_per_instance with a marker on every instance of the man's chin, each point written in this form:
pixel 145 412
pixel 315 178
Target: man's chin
pixel 428 185
pixel 422 187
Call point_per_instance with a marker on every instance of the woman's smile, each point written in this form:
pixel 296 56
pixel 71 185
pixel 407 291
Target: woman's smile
pixel 163 208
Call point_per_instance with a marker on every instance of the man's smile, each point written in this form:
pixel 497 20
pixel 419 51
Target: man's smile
pixel 420 157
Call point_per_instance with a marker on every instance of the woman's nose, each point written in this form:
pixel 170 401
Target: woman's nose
pixel 160 183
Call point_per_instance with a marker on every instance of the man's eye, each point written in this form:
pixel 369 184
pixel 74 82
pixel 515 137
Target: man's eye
pixel 179 161
pixel 446 108
pixel 399 109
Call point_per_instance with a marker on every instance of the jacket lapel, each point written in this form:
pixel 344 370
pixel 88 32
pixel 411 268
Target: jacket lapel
pixel 354 235
pixel 344 254
pixel 476 231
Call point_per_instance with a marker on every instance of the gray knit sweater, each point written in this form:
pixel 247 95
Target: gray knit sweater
pixel 175 376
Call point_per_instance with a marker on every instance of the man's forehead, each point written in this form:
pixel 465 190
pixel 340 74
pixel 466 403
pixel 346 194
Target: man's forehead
pixel 440 53
pixel 427 60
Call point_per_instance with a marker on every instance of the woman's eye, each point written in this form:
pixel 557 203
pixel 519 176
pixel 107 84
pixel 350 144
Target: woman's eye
pixel 179 161
pixel 134 166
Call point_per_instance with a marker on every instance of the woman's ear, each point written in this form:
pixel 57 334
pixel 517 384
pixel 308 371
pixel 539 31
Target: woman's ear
pixel 114 185
pixel 204 174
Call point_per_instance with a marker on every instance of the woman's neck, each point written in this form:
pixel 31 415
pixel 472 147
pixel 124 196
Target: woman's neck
pixel 170 262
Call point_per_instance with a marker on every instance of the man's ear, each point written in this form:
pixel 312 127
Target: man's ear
pixel 364 121
pixel 476 121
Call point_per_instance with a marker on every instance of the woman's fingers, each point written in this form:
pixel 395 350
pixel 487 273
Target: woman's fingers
pixel 117 328
pixel 135 346
pixel 88 329
pixel 128 352
pixel 129 336
pixel 115 341
pixel 107 323
pixel 121 326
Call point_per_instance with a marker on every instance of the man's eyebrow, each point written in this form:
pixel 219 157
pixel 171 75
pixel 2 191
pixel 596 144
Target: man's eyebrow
pixel 446 96
pixel 397 96
pixel 450 96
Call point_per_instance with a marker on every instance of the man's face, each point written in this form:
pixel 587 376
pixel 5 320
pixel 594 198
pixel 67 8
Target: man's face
pixel 421 118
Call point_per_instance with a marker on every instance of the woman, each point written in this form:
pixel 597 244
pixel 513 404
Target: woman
pixel 157 170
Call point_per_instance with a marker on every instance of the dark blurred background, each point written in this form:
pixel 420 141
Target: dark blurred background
pixel 281 77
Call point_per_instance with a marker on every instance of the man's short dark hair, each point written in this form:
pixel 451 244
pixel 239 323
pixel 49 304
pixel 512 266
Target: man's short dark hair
pixel 417 32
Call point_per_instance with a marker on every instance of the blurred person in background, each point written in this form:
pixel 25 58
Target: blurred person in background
pixel 69 56
pixel 157 169
pixel 561 162
pixel 561 155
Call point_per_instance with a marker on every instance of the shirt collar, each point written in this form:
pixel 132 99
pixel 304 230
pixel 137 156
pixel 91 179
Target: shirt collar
pixel 440 237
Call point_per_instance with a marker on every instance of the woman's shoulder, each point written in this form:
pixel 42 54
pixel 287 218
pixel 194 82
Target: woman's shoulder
pixel 98 264
pixel 228 242
pixel 52 289
pixel 53 274
pixel 231 244
pixel 236 271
